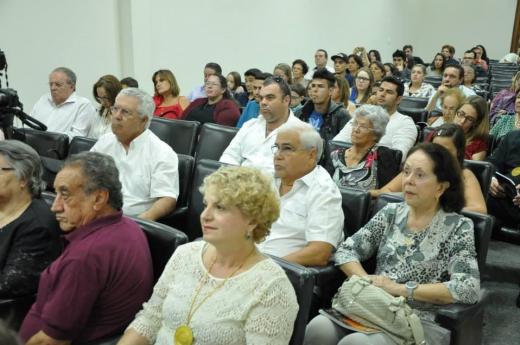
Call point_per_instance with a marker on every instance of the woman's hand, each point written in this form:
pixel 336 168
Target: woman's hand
pixel 387 284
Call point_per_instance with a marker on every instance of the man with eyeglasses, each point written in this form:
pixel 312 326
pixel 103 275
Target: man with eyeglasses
pixel 310 225
pixel 62 110
pixel 400 133
pixel 326 116
pixel 251 146
pixel 148 167
pixel 453 76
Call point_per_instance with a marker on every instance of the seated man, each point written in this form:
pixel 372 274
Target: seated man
pixel 506 159
pixel 252 108
pixel 452 77
pixel 251 146
pixel 62 110
pixel 310 225
pixel 148 166
pixel 93 290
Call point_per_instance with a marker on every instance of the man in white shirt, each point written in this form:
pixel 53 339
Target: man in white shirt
pixel 320 59
pixel 401 132
pixel 251 146
pixel 62 110
pixel 453 76
pixel 310 225
pixel 148 167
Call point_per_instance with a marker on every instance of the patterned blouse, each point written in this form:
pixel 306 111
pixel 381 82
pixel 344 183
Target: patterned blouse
pixel 504 125
pixel 443 252
pixel 426 90
pixel 363 175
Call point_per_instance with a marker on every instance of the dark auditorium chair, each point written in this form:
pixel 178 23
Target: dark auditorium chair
pixel 13 310
pixel 213 140
pixel 302 280
pixel 463 320
pixel 335 145
pixel 47 144
pixel 181 135
pixel 433 81
pixel 415 107
pixel 80 144
pixel 483 171
pixel 426 133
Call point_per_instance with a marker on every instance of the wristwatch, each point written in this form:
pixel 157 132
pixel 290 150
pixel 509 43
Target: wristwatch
pixel 410 287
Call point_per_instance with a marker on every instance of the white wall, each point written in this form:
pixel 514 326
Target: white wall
pixel 137 37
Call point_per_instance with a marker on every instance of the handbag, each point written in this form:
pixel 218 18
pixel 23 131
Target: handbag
pixel 371 306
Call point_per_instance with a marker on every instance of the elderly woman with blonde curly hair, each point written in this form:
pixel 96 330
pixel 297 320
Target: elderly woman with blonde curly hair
pixel 222 290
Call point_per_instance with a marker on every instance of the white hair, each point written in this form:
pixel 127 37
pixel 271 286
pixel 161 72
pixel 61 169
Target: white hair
pixel 309 137
pixel 146 105
pixel 377 115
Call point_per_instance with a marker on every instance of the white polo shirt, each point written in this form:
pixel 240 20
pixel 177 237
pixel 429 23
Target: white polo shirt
pixel 311 211
pixel 72 117
pixel 148 171
pixel 251 147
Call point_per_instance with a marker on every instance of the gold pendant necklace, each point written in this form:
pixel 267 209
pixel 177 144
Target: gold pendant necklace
pixel 184 334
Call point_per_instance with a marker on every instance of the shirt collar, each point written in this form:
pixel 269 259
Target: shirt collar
pixel 83 231
pixel 141 138
pixel 72 98
pixel 307 180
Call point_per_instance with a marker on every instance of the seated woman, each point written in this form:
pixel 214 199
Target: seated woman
pixel 417 87
pixel 425 250
pixel 504 101
pixel 470 76
pixel 168 102
pixel 217 107
pixel 374 55
pixel 105 91
pixel 436 68
pixel 341 94
pixel 222 290
pixel 507 122
pixel 451 100
pixel 391 70
pixel 284 71
pixel 29 236
pixel 363 90
pixel 365 165
pixel 354 63
pixel 472 116
pixel 299 70
pixel 378 70
pixel 451 136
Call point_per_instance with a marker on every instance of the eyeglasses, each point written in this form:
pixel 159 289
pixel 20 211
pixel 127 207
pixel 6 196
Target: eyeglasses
pixel 362 78
pixel 362 128
pixel 125 112
pixel 461 115
pixel 284 150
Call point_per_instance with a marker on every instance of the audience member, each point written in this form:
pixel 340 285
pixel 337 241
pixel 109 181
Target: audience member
pixel 506 160
pixel 472 116
pixel 62 110
pixel 410 58
pixel 217 107
pixel 469 57
pixel 341 94
pixel 451 100
pixel 250 76
pixel 29 236
pixel 452 77
pixel 283 71
pixel 320 59
pixel 169 104
pixel 440 267
pixel 297 97
pixel 510 58
pixel 354 63
pixel 299 70
pixel 340 64
pixel 210 69
pixel 234 84
pixel 373 55
pixel 129 82
pixel 507 122
pixel 400 133
pixel 451 137
pixel 449 52
pixel 391 70
pixel 148 167
pixel 377 69
pixel 93 290
pixel 504 101
pixel 325 116
pixel 251 146
pixel 436 68
pixel 252 108
pixel 365 165
pixel 417 87
pixel 308 197
pixel 105 91
pixel 362 90
pixel 480 52
pixel 222 290
pixel 470 76
pixel 399 59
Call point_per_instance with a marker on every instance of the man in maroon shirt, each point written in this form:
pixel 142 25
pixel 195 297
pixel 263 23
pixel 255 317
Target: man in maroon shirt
pixel 94 289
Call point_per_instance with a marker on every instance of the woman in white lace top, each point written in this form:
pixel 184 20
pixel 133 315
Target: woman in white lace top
pixel 222 290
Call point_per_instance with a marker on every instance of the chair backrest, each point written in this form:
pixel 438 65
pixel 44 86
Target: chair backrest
pixel 335 145
pixel 163 240
pixel 302 280
pixel 356 205
pixel 186 164
pixel 433 81
pixel 80 144
pixel 203 168
pixel 213 140
pixel 48 197
pixel 483 172
pixel 47 144
pixel 181 135
pixel 414 102
pixel 426 133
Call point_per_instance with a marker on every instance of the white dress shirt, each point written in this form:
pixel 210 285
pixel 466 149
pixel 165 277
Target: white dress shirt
pixel 72 117
pixel 148 171
pixel 310 73
pixel 310 211
pixel 400 134
pixel 251 147
pixel 99 125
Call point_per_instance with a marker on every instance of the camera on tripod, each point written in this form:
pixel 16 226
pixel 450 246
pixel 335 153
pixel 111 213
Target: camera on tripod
pixel 9 99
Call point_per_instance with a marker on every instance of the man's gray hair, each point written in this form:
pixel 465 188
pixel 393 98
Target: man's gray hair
pixel 26 163
pixel 71 76
pixel 309 137
pixel 100 172
pixel 146 105
pixel 377 115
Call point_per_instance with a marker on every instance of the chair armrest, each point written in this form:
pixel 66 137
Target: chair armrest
pixel 456 313
pixel 176 219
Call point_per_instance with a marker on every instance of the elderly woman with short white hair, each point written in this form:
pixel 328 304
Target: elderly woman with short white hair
pixel 365 164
